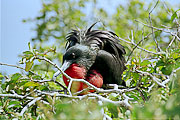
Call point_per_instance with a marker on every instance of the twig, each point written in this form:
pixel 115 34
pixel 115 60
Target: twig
pixel 56 66
pixel 155 79
pixel 69 86
pixel 171 75
pixel 150 88
pixel 42 81
pixel 138 46
pixel 103 99
pixel 99 90
pixel 171 42
pixel 142 95
pixel 159 49
pixel 82 91
pixel 29 105
pixel 160 29
pixel 111 86
pixel 123 103
pixel 154 7
pixel 19 68
pixel 106 117
pixel 16 96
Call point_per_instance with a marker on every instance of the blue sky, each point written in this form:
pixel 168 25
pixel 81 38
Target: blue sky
pixel 15 35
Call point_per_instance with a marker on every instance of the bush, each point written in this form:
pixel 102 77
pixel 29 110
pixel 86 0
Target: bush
pixel 150 34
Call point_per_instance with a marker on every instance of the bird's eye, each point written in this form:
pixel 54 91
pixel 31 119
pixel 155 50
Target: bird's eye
pixel 73 55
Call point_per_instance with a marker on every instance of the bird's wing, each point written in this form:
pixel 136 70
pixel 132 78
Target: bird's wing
pixel 110 68
pixel 105 40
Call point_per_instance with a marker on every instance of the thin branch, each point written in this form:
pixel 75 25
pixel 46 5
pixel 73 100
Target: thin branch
pixel 159 49
pixel 29 105
pixel 69 86
pixel 150 88
pixel 99 90
pixel 155 79
pixel 42 81
pixel 106 117
pixel 142 95
pixel 138 46
pixel 171 75
pixel 55 65
pixel 16 96
pixel 82 91
pixel 160 29
pixel 171 42
pixel 19 68
pixel 111 86
pixel 123 103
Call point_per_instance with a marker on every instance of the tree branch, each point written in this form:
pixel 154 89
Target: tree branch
pixel 160 29
pixel 159 49
pixel 138 46
pixel 29 105
pixel 155 79
pixel 123 103
pixel 19 68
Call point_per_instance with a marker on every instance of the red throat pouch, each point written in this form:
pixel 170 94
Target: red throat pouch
pixel 78 72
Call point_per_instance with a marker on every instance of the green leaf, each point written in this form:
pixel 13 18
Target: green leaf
pixel 30 47
pixel 174 15
pixel 15 76
pixel 3 86
pixel 31 83
pixel 14 102
pixel 28 53
pixel 145 95
pixel 167 69
pixel 145 63
pixel 1 76
pixel 160 63
pixel 113 111
pixel 37 77
pixel 28 65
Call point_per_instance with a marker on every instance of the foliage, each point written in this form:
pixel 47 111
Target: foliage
pixel 150 34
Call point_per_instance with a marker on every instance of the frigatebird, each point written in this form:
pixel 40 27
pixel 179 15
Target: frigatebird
pixel 93 55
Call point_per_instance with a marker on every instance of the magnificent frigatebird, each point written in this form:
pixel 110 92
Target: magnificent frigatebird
pixel 93 55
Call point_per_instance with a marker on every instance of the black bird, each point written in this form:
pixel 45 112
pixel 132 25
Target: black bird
pixel 94 55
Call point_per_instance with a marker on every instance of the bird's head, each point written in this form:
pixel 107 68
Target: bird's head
pixel 81 55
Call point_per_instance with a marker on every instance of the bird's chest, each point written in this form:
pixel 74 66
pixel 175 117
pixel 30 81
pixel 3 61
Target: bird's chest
pixel 78 72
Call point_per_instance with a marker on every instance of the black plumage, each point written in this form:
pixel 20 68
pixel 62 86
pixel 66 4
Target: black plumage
pixel 97 50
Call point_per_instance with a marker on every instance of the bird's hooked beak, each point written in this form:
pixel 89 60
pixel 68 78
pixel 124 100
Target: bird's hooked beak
pixel 64 67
